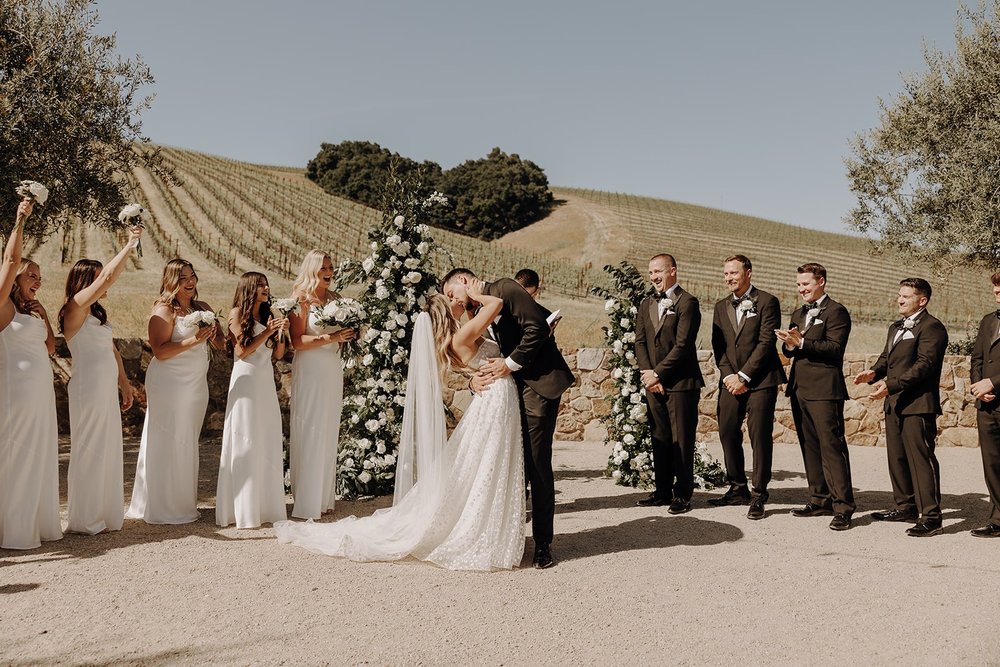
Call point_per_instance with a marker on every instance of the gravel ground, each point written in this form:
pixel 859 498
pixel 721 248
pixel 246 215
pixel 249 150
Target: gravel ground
pixel 633 585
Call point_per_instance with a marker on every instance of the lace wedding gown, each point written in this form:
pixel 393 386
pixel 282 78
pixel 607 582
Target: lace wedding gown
pixel 472 518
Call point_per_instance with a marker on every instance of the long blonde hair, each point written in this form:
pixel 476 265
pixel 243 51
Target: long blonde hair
pixel 444 327
pixel 170 285
pixel 306 281
pixel 15 290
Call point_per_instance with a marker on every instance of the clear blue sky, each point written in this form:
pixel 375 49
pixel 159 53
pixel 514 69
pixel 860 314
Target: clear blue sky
pixel 747 106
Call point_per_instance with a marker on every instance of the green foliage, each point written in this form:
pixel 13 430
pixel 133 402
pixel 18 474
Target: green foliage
pixel 926 179
pixel 487 197
pixel 497 194
pixel 69 114
pixel 361 171
pixel 630 463
pixel 963 346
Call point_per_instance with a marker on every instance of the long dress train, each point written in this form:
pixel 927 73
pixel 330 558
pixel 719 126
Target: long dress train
pixel 316 404
pixel 251 488
pixel 95 492
pixel 473 518
pixel 166 474
pixel 29 437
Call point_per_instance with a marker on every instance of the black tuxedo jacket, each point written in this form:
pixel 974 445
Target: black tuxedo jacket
pixel 524 336
pixel 668 345
pixel 986 357
pixel 749 348
pixel 912 367
pixel 817 372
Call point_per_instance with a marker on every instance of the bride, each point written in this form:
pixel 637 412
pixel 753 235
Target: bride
pixel 458 502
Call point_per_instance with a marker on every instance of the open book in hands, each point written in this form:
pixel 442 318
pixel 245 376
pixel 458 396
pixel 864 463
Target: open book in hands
pixel 553 319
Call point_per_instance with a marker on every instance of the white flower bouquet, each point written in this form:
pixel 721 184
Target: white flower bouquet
pixel 33 190
pixel 133 215
pixel 283 308
pixel 343 313
pixel 200 319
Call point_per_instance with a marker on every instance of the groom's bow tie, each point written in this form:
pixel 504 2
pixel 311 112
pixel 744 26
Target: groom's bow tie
pixel 660 296
pixel 806 307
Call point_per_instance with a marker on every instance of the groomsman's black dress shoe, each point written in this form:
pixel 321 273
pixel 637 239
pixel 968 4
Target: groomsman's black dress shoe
pixel 678 506
pixel 653 501
pixel 924 529
pixel 732 497
pixel 811 509
pixel 841 521
pixel 543 557
pixel 989 530
pixel 756 510
pixel 895 515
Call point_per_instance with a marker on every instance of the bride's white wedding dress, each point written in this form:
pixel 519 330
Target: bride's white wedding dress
pixel 458 503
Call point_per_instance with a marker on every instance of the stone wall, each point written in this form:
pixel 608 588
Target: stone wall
pixel 582 404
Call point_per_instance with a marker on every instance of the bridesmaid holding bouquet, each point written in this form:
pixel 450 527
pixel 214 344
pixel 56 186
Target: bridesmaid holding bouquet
pixel 317 391
pixel 95 481
pixel 166 474
pixel 251 487
pixel 29 438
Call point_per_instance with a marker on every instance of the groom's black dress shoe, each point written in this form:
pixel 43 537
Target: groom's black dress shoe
pixel 652 501
pixel 841 521
pixel 924 528
pixel 678 506
pixel 895 515
pixel 989 530
pixel 811 509
pixel 543 557
pixel 732 497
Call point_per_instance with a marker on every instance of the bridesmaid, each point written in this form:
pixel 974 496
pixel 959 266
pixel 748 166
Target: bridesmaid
pixel 166 474
pixel 29 437
pixel 251 488
pixel 95 463
pixel 317 392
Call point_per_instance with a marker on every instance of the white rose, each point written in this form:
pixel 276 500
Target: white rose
pixel 400 333
pixel 414 277
pixel 609 305
pixel 381 292
pixel 368 265
pixel 390 459
pixel 624 322
pixel 616 475
pixel 402 319
pixel 398 221
pixel 367 360
pixel 368 464
pixel 422 247
pixel 348 463
pixel 380 448
pixel 364 477
pixel 371 425
pixel 393 240
pixel 411 263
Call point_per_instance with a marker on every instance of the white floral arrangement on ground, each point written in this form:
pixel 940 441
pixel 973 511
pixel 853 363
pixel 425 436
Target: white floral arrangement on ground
pixel 396 279
pixel 343 313
pixel 199 318
pixel 631 461
pixel 33 190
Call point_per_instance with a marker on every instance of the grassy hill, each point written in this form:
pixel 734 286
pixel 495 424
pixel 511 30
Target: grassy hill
pixel 227 217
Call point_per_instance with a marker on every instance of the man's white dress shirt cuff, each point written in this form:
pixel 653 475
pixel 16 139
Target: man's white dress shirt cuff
pixel 512 365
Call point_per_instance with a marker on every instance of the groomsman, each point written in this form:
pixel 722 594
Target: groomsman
pixel 743 341
pixel 815 342
pixel 666 335
pixel 908 375
pixel 985 376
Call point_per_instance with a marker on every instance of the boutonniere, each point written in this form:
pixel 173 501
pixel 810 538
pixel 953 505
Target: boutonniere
pixel 907 324
pixel 747 306
pixel 813 313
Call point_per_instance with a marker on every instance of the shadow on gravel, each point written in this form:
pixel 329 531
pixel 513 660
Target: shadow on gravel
pixel 654 532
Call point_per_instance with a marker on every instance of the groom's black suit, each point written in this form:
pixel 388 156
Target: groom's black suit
pixel 524 337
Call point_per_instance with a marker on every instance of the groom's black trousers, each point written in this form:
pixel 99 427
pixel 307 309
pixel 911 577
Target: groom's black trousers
pixel 538 425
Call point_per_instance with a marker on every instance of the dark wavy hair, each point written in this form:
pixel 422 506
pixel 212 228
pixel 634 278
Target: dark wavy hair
pixel 80 277
pixel 244 301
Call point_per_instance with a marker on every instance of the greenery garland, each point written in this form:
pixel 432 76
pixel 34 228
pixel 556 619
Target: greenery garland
pixel 630 462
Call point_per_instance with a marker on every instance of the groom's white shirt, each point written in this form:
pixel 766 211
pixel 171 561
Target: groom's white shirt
pixel 511 364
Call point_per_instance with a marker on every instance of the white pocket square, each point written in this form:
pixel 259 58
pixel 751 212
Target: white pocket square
pixel 817 321
pixel 749 315
pixel 907 335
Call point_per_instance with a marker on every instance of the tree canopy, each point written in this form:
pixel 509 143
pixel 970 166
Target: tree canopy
pixel 927 178
pixel 69 114
pixel 487 197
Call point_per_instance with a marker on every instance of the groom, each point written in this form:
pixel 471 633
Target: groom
pixel 541 374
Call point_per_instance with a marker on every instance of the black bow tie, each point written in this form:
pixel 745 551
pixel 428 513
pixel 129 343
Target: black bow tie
pixel 660 296
pixel 807 307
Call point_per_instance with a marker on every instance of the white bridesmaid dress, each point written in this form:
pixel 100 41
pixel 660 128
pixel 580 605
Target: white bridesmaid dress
pixel 166 474
pixel 316 403
pixel 95 481
pixel 251 488
pixel 29 437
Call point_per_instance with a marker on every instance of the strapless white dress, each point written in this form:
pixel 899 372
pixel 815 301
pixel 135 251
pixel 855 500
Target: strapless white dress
pixel 476 523
pixel 166 474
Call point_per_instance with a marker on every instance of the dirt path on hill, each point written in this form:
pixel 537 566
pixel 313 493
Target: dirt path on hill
pixel 633 585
